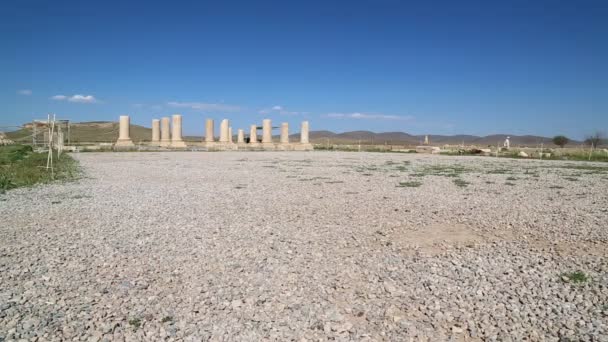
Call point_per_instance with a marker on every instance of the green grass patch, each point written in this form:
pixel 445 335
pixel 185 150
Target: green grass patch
pixel 135 322
pixel 410 184
pixel 20 166
pixel 499 171
pixel 461 183
pixel 511 178
pixel 575 277
pixel 596 156
pixel 441 170
pixel 572 179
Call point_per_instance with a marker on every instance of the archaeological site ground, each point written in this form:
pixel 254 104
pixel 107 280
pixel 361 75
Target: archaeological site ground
pixel 307 246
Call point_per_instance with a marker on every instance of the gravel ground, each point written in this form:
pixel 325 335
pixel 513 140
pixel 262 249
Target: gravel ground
pixel 308 246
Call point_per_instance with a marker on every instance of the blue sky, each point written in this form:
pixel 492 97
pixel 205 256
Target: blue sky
pixel 451 67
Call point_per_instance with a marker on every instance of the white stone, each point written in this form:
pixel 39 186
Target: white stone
pixel 284 133
pixel 123 132
pixel 253 135
pixel 224 131
pixel 522 154
pixel 304 133
pixel 4 140
pixel 156 131
pixel 240 136
pixel 209 131
pixel 165 133
pixel 266 131
pixel 176 138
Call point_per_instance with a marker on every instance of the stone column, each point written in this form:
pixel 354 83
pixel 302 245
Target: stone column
pixel 176 136
pixel 224 131
pixel 165 134
pixel 284 133
pixel 209 131
pixel 155 131
pixel 230 138
pixel 304 133
pixel 240 139
pixel 123 132
pixel 266 131
pixel 253 135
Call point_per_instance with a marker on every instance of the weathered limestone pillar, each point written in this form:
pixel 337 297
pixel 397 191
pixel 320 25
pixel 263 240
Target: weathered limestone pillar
pixel 253 135
pixel 209 131
pixel 284 133
pixel 224 131
pixel 240 139
pixel 123 133
pixel 155 131
pixel 165 134
pixel 230 137
pixel 176 136
pixel 304 133
pixel 266 131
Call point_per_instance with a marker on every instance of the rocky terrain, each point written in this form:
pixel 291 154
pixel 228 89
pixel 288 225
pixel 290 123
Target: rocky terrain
pixel 308 246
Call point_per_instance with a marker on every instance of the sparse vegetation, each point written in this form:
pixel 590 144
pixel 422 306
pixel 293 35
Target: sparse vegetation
pixel 441 170
pixel 499 171
pixel 135 322
pixel 575 277
pixel 595 139
pixel 561 140
pixel 461 183
pixel 20 166
pixel 410 184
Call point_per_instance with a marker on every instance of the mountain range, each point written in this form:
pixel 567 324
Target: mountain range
pixel 100 131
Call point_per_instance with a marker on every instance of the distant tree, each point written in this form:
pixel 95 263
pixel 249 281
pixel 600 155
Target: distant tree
pixel 594 139
pixel 560 140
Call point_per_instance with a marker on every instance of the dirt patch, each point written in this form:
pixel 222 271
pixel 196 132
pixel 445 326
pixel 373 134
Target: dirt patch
pixel 436 238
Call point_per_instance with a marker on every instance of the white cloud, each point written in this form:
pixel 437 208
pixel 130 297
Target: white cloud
pixel 368 116
pixel 76 98
pixel 83 99
pixel 26 92
pixel 279 110
pixel 205 107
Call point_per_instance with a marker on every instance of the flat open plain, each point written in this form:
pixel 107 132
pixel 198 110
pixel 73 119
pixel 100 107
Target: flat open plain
pixel 308 246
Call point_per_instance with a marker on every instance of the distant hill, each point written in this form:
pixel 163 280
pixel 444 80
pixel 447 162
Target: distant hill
pixel 99 131
pixel 401 138
pixel 95 131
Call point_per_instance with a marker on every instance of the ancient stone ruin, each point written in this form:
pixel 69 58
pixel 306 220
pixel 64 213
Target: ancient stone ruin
pixel 168 133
